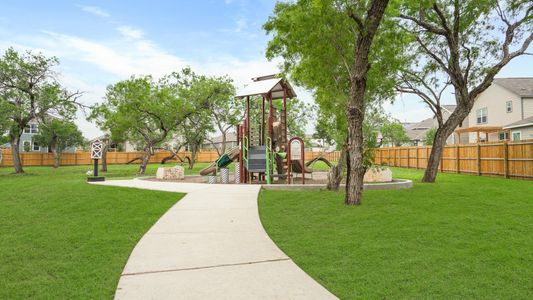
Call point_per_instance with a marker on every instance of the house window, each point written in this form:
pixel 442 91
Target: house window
pixel 504 135
pixel 517 135
pixel 32 128
pixel 36 147
pixel 509 106
pixel 481 115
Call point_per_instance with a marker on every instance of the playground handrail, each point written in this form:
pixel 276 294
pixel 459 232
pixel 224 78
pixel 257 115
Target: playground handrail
pixel 269 160
pixel 245 151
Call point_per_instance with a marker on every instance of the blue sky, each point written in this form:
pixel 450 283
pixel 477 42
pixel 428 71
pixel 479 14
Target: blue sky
pixel 101 42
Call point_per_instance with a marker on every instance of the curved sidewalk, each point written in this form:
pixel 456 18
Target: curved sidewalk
pixel 211 245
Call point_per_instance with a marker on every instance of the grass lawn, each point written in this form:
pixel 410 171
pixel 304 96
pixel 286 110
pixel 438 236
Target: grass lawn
pixel 61 238
pixel 463 237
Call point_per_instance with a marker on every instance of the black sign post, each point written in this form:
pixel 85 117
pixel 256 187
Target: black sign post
pixel 96 153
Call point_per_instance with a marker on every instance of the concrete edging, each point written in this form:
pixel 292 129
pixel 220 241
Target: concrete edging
pixel 395 185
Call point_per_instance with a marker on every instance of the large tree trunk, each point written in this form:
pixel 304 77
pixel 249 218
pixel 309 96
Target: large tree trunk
pixel 223 147
pixel 355 108
pixel 335 172
pixel 145 160
pixel 17 163
pixel 104 156
pixel 355 167
pixel 57 157
pixel 441 135
pixel 192 161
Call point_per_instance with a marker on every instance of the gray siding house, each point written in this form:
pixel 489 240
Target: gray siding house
pixel 27 144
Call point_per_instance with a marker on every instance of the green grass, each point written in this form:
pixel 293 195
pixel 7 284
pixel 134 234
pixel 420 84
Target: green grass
pixel 61 238
pixel 463 237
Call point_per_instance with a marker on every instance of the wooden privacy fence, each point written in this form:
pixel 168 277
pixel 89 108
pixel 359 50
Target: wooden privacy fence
pixel 508 159
pixel 84 157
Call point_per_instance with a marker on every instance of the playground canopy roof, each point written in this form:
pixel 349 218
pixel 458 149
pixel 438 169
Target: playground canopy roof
pixel 261 86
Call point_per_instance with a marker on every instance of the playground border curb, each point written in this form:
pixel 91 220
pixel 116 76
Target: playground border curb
pixel 395 185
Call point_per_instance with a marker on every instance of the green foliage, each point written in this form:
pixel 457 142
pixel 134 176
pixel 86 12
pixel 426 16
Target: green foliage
pixel 479 36
pixel 59 134
pixel 316 40
pixel 225 110
pixel 394 133
pixel 28 91
pixel 145 111
pixel 299 114
pixel 430 136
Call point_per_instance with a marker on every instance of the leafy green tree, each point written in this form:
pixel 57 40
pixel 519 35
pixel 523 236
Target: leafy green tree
pixel 464 44
pixel 58 135
pixel 195 130
pixel 145 111
pixel 329 47
pixel 224 110
pixel 299 114
pixel 394 133
pixel 430 136
pixel 28 91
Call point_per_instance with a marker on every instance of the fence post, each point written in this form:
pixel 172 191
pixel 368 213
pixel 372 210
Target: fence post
pixel 478 159
pixel 388 152
pixel 400 157
pixel 416 157
pixel 506 159
pixel 458 162
pixel 408 157
pixel 442 160
pixel 427 157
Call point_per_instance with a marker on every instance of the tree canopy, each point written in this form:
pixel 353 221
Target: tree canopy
pixel 463 44
pixel 58 135
pixel 146 111
pixel 29 91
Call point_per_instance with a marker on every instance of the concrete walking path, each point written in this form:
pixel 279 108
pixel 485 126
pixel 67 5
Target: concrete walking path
pixel 211 245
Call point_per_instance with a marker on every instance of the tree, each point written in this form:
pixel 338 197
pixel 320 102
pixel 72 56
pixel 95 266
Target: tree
pixel 468 43
pixel 145 111
pixel 394 133
pixel 430 136
pixel 299 114
pixel 28 91
pixel 225 111
pixel 329 46
pixel 58 135
pixel 194 131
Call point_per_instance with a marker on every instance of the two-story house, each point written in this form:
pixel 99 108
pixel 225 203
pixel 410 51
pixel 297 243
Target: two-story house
pixel 27 142
pixel 504 111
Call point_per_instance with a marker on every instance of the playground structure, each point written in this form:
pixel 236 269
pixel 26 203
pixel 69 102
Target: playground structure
pixel 265 152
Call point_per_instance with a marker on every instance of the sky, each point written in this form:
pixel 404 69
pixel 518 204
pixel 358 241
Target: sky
pixel 101 42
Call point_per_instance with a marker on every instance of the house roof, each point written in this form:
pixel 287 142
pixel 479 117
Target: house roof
pixel 522 86
pixel 449 107
pixel 522 123
pixel 264 85
pixel 230 137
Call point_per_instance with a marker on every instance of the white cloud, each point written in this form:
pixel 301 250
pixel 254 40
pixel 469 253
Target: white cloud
pixel 95 10
pixel 121 58
pixel 130 32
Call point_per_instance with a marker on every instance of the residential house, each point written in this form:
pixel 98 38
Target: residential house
pixel 27 143
pixel 417 131
pixel 216 142
pixel 503 111
pixel 318 145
